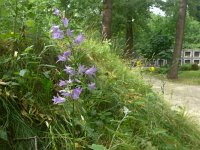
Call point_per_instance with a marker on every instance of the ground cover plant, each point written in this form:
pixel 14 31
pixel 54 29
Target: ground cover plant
pixel 101 105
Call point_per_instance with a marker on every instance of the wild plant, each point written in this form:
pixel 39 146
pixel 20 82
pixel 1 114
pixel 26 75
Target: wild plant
pixel 78 77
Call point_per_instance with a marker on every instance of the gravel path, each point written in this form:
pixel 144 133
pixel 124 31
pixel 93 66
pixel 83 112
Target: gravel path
pixel 186 96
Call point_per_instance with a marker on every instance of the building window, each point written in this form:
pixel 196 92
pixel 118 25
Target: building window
pixel 187 61
pixel 187 54
pixel 180 62
pixel 196 61
pixel 196 54
pixel 161 62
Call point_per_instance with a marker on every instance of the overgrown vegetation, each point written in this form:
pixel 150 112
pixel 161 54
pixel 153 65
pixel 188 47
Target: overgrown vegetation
pixel 149 124
pixel 123 113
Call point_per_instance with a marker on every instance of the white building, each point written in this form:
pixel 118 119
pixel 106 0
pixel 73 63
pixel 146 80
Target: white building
pixel 188 56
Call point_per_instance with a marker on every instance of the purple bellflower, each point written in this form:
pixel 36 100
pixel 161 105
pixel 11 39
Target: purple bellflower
pixel 65 22
pixel 62 83
pixel 57 99
pixel 56 12
pixel 69 32
pixel 81 69
pixel 76 93
pixel 91 71
pixel 69 70
pixel 58 34
pixel 54 28
pixel 79 39
pixel 64 56
pixel 67 53
pixel 65 93
pixel 61 58
pixel 92 86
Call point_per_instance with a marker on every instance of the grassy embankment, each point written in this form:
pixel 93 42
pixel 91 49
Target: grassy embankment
pixel 27 110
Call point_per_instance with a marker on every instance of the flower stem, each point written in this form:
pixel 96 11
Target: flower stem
pixel 73 125
pixel 117 130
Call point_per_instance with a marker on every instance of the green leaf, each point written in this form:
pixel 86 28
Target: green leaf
pixel 97 147
pixel 23 72
pixel 28 49
pixel 30 23
pixel 45 65
pixel 3 134
pixel 46 74
pixel 157 131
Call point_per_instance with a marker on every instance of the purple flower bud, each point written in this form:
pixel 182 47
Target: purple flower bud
pixel 56 12
pixel 79 39
pixel 91 71
pixel 76 93
pixel 65 22
pixel 69 32
pixel 65 93
pixel 57 99
pixel 67 53
pixel 69 70
pixel 92 86
pixel 81 69
pixel 62 83
pixel 61 58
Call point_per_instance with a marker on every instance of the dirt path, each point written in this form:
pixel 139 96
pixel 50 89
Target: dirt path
pixel 186 96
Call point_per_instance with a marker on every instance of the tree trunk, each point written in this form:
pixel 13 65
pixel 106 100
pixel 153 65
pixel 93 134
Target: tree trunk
pixel 129 36
pixel 107 19
pixel 173 73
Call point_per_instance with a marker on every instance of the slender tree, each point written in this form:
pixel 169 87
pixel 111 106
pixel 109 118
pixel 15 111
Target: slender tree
pixel 173 73
pixel 131 20
pixel 107 19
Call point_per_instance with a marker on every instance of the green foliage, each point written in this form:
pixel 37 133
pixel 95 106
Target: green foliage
pixel 186 67
pixel 195 67
pixel 158 47
pixel 97 147
pixel 162 70
pixel 194 9
pixel 150 124
pixel 27 87
pixel 192 32
pixel 24 22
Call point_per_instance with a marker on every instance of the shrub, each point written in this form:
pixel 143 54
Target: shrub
pixel 186 67
pixel 162 70
pixel 195 67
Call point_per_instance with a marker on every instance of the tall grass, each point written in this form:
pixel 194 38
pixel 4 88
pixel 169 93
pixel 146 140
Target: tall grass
pixel 26 108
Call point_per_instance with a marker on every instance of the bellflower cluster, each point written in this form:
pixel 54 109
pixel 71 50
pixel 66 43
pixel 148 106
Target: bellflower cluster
pixel 57 33
pixel 78 76
pixel 56 12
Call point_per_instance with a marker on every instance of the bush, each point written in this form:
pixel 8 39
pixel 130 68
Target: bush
pixel 162 70
pixel 186 67
pixel 195 67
